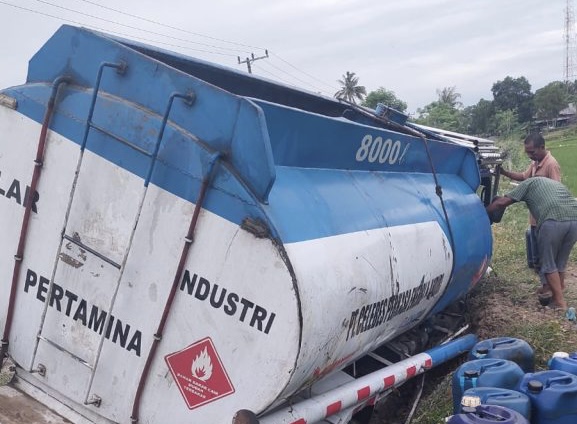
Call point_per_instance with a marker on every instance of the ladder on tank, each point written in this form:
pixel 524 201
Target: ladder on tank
pixel 89 261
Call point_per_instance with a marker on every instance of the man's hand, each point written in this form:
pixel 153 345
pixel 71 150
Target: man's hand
pixel 497 208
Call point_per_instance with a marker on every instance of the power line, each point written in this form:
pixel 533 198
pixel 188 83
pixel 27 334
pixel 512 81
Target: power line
pixel 218 39
pixel 276 77
pixel 286 82
pixel 295 77
pixel 132 27
pixel 169 26
pixel 112 31
pixel 303 72
pixel 249 61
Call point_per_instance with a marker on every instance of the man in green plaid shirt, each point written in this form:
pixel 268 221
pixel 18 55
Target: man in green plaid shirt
pixel 555 210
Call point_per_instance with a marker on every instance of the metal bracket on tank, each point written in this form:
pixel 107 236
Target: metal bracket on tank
pixel 40 370
pixel 94 400
pixel 9 102
pixel 257 227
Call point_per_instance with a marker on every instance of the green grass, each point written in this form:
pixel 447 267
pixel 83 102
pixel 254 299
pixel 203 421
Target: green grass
pixel 561 143
pixel 437 405
pixel 566 155
pixel 513 280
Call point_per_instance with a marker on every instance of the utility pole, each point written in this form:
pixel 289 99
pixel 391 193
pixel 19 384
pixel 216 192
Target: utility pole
pixel 569 35
pixel 251 59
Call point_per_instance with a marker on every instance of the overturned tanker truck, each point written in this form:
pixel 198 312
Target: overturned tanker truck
pixel 181 241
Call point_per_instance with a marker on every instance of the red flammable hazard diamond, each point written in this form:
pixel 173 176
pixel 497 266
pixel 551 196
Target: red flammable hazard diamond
pixel 199 373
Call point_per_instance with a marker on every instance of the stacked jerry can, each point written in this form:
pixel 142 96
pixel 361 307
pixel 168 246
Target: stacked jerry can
pixel 496 376
pixel 553 393
pixel 498 385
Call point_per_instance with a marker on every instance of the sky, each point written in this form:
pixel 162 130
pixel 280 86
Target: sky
pixel 410 47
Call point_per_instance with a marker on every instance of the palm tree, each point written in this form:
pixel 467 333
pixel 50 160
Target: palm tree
pixel 350 90
pixel 449 96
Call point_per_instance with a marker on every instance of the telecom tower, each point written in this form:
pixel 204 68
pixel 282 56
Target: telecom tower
pixel 569 68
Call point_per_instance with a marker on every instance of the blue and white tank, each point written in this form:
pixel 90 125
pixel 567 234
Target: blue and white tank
pixel 203 240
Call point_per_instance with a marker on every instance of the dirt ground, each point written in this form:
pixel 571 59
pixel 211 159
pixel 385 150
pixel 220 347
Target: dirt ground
pixel 494 310
pixel 492 313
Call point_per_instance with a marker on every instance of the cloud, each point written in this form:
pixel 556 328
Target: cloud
pixel 413 47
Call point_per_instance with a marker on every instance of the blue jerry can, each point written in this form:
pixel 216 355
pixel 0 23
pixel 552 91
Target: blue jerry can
pixel 516 350
pixel 553 396
pixel 563 361
pixel 511 399
pixel 487 414
pixel 489 372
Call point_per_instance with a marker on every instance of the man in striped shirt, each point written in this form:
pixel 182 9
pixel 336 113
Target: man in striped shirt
pixel 555 211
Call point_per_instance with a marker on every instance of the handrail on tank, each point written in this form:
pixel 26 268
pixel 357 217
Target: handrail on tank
pixel 19 256
pixel 120 69
pixel 188 99
pixel 188 241
pixel 361 390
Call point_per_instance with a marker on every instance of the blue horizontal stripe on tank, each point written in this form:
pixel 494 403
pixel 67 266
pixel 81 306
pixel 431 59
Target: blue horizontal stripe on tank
pixel 304 203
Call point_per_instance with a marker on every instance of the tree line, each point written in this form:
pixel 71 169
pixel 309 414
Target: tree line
pixel 514 106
